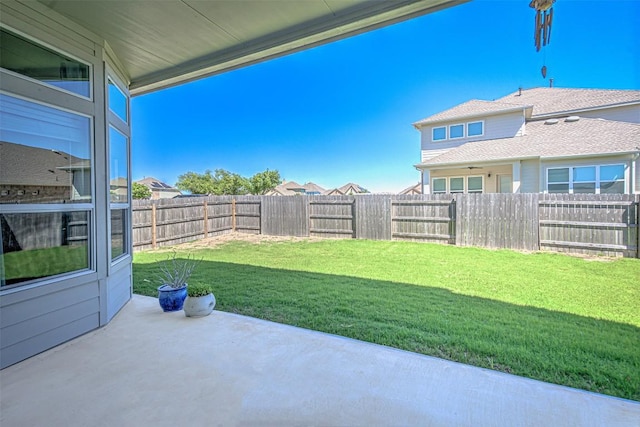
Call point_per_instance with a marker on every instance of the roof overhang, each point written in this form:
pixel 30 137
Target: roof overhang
pixel 165 43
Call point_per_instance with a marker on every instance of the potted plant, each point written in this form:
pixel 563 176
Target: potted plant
pixel 200 301
pixel 174 275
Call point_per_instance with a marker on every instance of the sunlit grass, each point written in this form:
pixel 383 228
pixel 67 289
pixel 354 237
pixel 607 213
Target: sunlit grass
pixel 556 318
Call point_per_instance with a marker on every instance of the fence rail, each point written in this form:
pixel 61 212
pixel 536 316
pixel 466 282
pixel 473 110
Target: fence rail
pixel 581 223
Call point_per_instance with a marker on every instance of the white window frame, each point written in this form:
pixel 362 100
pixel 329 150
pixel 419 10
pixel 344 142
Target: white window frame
pixel 597 166
pixel 463 131
pixel 446 183
pixel 464 186
pixel 471 123
pixel 433 130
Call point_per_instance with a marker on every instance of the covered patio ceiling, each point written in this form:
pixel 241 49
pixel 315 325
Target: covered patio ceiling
pixel 165 43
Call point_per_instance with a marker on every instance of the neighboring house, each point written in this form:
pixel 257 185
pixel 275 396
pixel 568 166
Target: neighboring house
pixel 292 188
pixel 53 176
pixel 548 140
pixel 159 190
pixel 414 189
pixel 347 190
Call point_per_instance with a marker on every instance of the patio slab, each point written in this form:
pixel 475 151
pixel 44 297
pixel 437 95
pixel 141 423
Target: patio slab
pixel 149 368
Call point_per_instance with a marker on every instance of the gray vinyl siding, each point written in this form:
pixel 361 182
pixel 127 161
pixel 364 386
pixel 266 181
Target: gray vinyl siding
pixel 636 188
pixel 530 176
pixel 629 113
pixel 499 126
pixel 119 287
pixel 34 320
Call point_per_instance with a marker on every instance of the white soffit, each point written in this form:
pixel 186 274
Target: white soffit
pixel 168 42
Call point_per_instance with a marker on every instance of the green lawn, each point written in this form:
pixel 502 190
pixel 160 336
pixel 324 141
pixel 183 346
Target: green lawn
pixel 551 317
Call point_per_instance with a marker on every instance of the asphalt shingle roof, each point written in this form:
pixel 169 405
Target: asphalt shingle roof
pixel 565 138
pixel 472 108
pixel 557 100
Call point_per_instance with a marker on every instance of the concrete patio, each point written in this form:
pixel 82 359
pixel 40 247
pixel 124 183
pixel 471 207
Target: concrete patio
pixel 159 369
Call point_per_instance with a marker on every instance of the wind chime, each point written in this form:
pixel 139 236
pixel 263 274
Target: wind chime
pixel 542 31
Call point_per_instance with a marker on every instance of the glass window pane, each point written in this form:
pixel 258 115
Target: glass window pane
pixel 36 245
pixel 439 133
pixel 440 185
pixel 558 175
pixel 117 101
pixel 29 59
pixel 474 129
pixel 456 131
pixel 456 185
pixel 558 188
pixel 584 187
pixel 615 187
pixel 45 154
pixel 611 173
pixel 474 184
pixel 118 232
pixel 584 174
pixel 119 171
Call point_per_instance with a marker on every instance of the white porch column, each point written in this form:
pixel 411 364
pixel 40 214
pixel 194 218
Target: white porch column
pixel 515 172
pixel 426 181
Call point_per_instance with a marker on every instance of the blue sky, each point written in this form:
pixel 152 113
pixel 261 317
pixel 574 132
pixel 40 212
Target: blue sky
pixel 342 112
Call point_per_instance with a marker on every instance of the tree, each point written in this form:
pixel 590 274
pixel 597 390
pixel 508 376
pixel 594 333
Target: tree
pixel 265 181
pixel 227 183
pixel 139 191
pixel 196 183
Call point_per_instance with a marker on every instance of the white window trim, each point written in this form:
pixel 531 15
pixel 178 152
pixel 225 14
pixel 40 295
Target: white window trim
pixel 446 183
pixel 597 180
pixel 464 186
pixel 480 134
pixel 463 131
pixel 433 130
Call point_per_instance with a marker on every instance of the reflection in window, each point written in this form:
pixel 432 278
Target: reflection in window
pixel 456 131
pixel 40 63
pixel 584 179
pixel 119 173
pixel 44 154
pixel 36 245
pixel 118 232
pixel 606 179
pixel 117 101
pixel 612 179
pixel 475 128
pixel 439 133
pixel 558 180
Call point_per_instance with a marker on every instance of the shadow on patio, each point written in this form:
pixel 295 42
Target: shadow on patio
pixel 152 368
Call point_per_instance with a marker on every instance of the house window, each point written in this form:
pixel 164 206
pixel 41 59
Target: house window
pixel 475 128
pixel 605 179
pixel 584 179
pixel 456 131
pixel 439 185
pixel 558 180
pixel 118 169
pixel 474 184
pixel 440 133
pixel 456 185
pixel 37 62
pixel 612 179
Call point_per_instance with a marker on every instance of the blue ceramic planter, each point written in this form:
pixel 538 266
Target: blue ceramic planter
pixel 171 299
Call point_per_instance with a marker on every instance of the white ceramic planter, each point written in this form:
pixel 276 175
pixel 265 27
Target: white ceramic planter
pixel 199 306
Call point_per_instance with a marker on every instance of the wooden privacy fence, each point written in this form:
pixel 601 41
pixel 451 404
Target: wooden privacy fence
pixel 582 223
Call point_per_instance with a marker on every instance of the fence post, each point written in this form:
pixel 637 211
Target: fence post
pixel 206 219
pixel 153 226
pixel 233 214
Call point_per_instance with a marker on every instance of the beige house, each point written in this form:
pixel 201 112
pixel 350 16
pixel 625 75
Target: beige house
pixel 159 189
pixel 547 140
